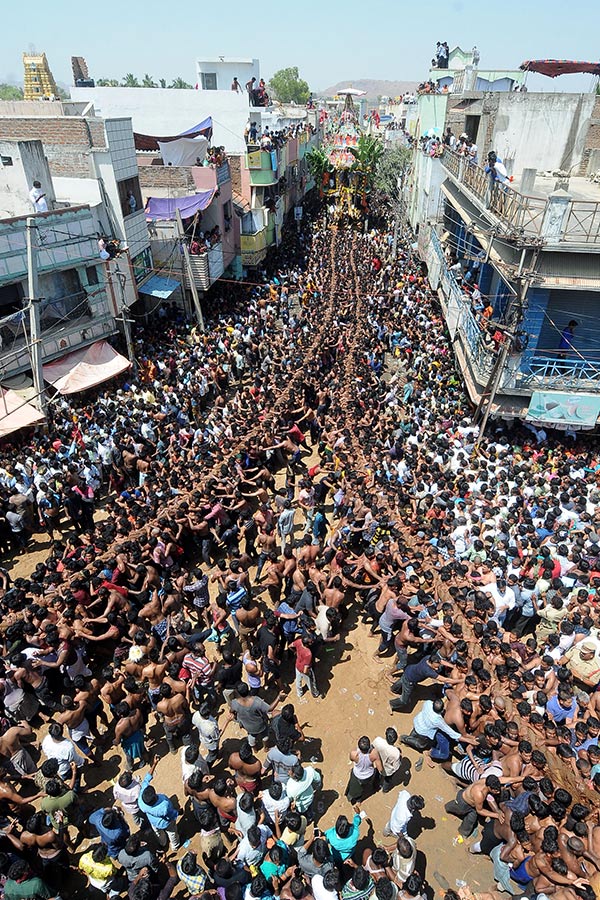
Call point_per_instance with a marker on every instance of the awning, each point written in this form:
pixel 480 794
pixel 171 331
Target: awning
pixel 150 141
pixel 184 151
pixel 578 411
pixel 240 203
pixel 84 369
pixel 554 67
pixel 16 413
pixel 159 286
pixel 165 207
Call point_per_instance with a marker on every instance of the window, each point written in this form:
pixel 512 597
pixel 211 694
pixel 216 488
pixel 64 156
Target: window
pixel 209 81
pixel 227 214
pixel 91 273
pixel 472 127
pixel 6 160
pixel 11 298
pixel 142 264
pixel 130 196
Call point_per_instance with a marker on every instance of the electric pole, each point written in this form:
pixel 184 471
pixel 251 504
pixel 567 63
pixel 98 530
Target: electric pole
pixel 190 271
pixel 491 389
pixel 122 278
pixel 35 346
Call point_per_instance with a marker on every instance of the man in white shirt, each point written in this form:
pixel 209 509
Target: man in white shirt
pixel 326 887
pixel 403 811
pixel 389 755
pixel 503 597
pixel 55 746
pixel 38 198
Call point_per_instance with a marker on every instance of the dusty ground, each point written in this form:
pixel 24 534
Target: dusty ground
pixel 356 702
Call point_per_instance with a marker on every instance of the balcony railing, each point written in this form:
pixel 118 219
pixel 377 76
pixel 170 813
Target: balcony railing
pixel 524 215
pixel 555 371
pixel 582 224
pixel 254 246
pixel 206 267
pixel 460 318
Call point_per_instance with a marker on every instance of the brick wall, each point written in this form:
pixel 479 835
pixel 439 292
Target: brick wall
pixel 55 131
pixel 174 177
pixel 66 140
pixel 235 165
pixel 592 142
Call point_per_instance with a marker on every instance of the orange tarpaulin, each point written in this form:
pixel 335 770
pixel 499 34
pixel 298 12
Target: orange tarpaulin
pixel 84 369
pixel 16 413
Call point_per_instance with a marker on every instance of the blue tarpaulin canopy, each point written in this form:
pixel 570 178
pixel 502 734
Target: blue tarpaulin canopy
pixel 166 207
pixel 159 286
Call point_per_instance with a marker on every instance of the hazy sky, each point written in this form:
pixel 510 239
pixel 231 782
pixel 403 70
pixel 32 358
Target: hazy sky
pixel 329 41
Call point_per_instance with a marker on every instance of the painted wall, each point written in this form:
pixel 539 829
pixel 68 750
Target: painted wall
pixel 431 114
pixel 226 70
pixel 542 131
pixel 427 177
pixel 165 112
pixel 77 190
pixel 28 165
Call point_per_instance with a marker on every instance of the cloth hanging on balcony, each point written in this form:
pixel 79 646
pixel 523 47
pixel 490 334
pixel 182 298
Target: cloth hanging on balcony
pixel 165 207
pixel 159 286
pixel 577 411
pixel 554 67
pixel 150 141
pixel 84 369
pixel 184 151
pixel 16 413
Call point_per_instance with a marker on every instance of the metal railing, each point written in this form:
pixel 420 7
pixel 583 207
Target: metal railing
pixel 460 317
pixel 582 222
pixel 556 371
pixel 523 214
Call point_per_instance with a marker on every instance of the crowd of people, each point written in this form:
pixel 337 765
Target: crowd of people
pixel 268 139
pixel 267 486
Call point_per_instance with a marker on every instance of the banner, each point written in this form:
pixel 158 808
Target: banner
pixel 578 411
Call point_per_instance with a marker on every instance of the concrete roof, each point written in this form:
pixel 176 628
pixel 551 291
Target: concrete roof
pixel 579 188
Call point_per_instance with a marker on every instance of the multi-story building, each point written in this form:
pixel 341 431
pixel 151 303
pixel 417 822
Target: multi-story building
pixel 217 74
pixel 79 294
pixel 265 186
pixel 91 161
pixel 531 244
pixel 464 74
pixel 268 187
pixel 203 196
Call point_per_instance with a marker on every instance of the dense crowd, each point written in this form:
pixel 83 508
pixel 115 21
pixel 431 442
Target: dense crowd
pixel 305 464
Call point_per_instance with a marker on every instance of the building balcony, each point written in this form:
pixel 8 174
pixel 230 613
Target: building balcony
pixel 558 372
pixel 557 218
pixel 528 371
pixel 57 339
pixel 206 267
pixel 254 246
pixel 66 238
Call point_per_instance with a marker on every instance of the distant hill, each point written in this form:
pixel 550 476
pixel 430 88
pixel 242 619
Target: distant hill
pixel 372 86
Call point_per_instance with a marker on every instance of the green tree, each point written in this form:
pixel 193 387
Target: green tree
pixel 318 163
pixel 10 92
pixel 162 82
pixel 288 87
pixel 148 81
pixel 180 84
pixel 367 153
pixel 391 172
pixel 130 81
